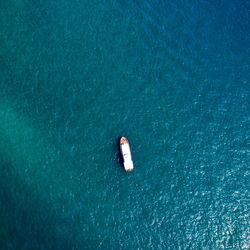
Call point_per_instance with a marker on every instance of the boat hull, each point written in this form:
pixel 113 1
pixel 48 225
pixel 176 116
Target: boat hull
pixel 126 155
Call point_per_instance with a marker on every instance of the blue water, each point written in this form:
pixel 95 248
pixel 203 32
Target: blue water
pixel 171 76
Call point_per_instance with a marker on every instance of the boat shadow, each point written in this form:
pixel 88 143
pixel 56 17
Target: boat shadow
pixel 119 155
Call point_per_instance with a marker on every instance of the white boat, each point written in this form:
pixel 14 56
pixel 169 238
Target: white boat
pixel 126 154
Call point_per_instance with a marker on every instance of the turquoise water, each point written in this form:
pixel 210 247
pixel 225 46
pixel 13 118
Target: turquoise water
pixel 171 76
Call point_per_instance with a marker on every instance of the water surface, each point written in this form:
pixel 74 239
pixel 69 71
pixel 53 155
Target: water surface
pixel 173 77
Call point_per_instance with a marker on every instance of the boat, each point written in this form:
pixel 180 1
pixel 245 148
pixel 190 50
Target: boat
pixel 126 155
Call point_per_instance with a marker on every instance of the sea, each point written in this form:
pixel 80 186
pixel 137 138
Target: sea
pixel 172 77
